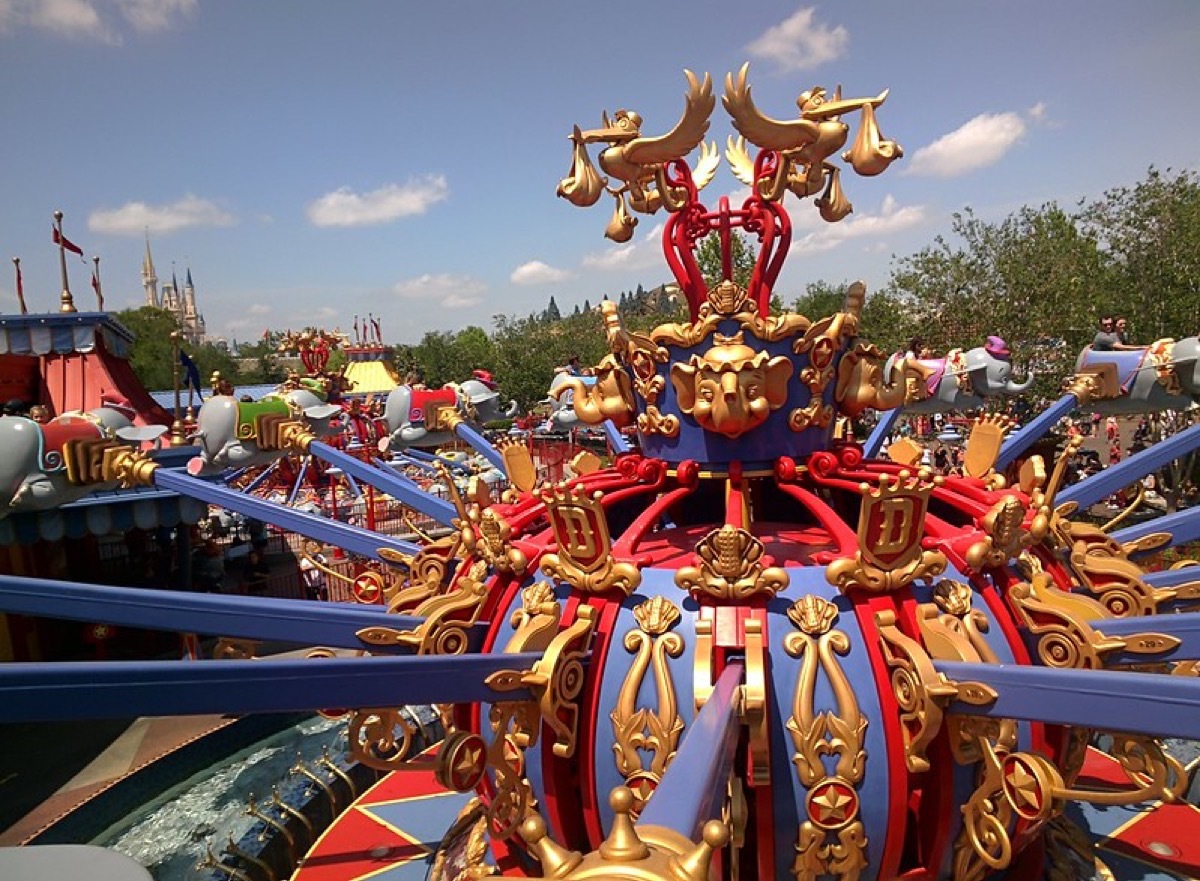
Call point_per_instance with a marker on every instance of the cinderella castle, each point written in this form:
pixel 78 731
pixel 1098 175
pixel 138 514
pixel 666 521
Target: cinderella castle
pixel 180 303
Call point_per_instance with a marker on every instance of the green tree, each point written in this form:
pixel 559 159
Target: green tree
pixel 742 257
pixel 151 356
pixel 1151 234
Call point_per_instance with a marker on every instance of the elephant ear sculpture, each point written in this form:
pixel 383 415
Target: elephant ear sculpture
pixel 1162 376
pixel 963 380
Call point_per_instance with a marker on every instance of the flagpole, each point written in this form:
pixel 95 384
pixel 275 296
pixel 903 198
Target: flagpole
pixel 177 438
pixel 68 304
pixel 96 278
pixel 20 286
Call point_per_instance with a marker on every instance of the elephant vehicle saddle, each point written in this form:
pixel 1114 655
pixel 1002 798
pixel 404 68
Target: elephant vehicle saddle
pixel 1127 363
pixel 260 421
pixel 427 405
pixel 75 444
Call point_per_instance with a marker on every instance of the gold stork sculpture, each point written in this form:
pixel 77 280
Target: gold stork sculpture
pixel 805 144
pixel 637 163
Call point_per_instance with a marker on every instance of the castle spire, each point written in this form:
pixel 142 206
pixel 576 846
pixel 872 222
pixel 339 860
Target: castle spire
pixel 149 277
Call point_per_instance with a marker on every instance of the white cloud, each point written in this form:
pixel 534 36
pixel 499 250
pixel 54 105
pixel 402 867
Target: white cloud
pixel 799 42
pixel 148 16
pixel 644 252
pixel 981 142
pixel 67 18
pixel 259 309
pixel 93 19
pixel 344 207
pixel 133 218
pixel 443 289
pixel 891 219
pixel 537 272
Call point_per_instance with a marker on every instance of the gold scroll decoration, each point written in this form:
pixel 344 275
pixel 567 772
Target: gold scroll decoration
pixel 730 567
pixel 921 692
pixel 448 618
pixel 1067 625
pixel 1004 536
pixel 583 557
pixel 831 840
pixel 891 524
pixel 654 731
pixel 556 680
pixel 484 532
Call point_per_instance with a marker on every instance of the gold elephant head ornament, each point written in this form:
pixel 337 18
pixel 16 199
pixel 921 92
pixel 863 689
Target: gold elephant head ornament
pixel 732 388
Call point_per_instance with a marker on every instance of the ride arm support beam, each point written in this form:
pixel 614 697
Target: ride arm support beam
pixel 391 482
pixel 887 421
pixel 99 690
pixel 1020 441
pixel 300 622
pixel 1172 577
pixel 616 440
pixel 692 791
pixel 1115 477
pixel 1143 703
pixel 1183 527
pixel 349 538
pixel 1184 627
pixel 481 445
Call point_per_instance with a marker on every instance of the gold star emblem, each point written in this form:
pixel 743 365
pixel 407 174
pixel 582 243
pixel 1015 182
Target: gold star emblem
pixel 832 804
pixel 1024 787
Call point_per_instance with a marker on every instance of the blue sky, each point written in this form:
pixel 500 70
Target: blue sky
pixel 311 160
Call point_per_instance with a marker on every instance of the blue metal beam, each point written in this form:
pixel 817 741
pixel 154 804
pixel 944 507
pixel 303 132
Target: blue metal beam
pixel 693 789
pixel 1185 627
pixel 343 535
pixel 1172 577
pixel 481 445
pixel 99 690
pixel 1106 482
pixel 414 453
pixel 887 420
pixel 395 484
pixel 1144 703
pixel 1022 440
pixel 616 440
pixel 302 622
pixel 1184 527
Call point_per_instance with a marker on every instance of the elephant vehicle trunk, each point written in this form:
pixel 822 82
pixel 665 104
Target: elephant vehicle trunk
pixel 1015 388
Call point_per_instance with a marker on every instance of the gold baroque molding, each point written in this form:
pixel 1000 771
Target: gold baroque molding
pixel 831 840
pixel 730 567
pixel 654 731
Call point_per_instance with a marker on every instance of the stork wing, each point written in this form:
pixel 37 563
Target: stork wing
pixel 760 130
pixel 739 160
pixel 706 165
pixel 689 131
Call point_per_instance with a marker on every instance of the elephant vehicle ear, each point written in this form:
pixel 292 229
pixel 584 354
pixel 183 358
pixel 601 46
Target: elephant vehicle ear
pixel 322 411
pixel 140 433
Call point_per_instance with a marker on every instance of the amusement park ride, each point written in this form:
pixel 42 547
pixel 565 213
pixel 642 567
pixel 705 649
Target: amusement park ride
pixel 748 647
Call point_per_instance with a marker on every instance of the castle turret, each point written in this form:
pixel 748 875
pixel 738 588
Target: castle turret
pixel 149 278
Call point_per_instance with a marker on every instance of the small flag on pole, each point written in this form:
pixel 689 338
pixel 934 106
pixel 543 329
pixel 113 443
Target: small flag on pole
pixel 20 286
pixel 191 373
pixel 96 284
pixel 60 239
